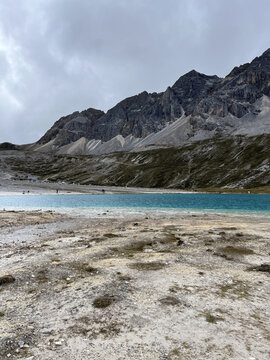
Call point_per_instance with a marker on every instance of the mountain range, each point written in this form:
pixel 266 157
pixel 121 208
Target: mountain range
pixel 197 107
pixel 204 132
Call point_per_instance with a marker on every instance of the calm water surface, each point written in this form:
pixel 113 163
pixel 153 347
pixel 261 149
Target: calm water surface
pixel 210 202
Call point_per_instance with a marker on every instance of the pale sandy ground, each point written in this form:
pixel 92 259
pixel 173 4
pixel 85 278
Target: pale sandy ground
pixel 163 299
pixel 19 187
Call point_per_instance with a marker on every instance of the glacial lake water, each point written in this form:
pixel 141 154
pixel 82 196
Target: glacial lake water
pixel 237 203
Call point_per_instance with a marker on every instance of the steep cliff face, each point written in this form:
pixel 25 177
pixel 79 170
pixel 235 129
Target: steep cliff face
pixel 72 127
pixel 193 87
pixel 238 91
pixel 139 115
pixel 196 107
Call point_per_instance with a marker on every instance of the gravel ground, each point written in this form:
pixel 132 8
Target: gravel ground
pixel 153 286
pixel 37 187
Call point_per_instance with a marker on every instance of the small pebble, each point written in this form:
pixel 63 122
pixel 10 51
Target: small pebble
pixel 20 343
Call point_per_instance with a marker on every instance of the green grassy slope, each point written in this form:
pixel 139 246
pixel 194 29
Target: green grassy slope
pixel 238 162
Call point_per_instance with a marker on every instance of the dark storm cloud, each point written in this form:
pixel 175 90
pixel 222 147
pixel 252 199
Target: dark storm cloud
pixel 58 56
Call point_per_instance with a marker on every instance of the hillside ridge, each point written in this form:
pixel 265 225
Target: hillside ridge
pixel 194 108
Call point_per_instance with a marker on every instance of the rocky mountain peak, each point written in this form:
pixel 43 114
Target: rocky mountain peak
pixel 239 90
pixel 266 53
pixel 72 127
pixel 192 87
pixel 261 63
pixel 237 70
pixel 193 76
pixel 195 107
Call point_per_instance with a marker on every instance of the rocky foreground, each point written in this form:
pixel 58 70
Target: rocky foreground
pixel 145 287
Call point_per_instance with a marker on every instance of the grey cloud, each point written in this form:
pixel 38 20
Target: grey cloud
pixel 59 56
pixel 4 66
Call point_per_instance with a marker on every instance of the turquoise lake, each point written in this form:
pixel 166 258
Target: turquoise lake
pixel 204 202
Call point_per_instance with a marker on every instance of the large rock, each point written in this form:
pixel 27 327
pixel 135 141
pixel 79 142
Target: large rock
pixel 6 279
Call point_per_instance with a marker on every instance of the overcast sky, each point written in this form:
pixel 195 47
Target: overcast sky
pixel 59 56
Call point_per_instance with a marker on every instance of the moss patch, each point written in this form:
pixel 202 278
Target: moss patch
pixel 132 248
pixel 170 300
pixel 262 268
pixel 174 354
pixel 235 250
pixel 150 266
pixel 212 319
pixel 104 301
pixel 110 235
pixel 236 289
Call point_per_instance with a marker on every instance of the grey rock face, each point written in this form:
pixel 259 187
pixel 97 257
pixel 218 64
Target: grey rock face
pixel 139 115
pixel 72 127
pixel 7 146
pixel 192 87
pixel 197 96
pixel 237 92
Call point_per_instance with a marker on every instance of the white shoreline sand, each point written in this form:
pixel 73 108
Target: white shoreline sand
pixel 121 213
pixel 12 187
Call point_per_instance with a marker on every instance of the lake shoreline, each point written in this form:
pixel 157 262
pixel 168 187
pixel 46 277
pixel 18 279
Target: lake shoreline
pixel 13 187
pixel 121 213
pixel 120 204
